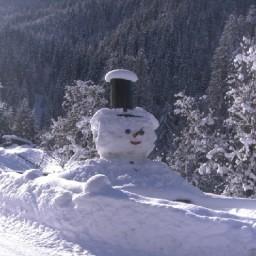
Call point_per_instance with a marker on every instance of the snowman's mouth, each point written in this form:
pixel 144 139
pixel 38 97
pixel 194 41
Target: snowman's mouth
pixel 135 142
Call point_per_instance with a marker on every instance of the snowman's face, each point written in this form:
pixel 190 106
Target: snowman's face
pixel 124 137
pixel 135 136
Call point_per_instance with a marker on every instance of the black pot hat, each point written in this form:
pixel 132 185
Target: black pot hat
pixel 121 82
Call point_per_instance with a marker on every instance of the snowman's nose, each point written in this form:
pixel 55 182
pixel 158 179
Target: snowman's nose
pixel 140 132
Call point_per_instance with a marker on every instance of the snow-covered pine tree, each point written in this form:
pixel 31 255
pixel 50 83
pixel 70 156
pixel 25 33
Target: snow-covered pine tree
pixel 70 136
pixel 221 65
pixel 242 121
pixel 251 22
pixel 194 142
pixel 234 156
pixel 6 116
pixel 22 123
pixel 168 127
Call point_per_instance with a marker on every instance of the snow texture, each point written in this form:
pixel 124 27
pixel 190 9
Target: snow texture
pixel 108 221
pixel 124 135
pixel 121 74
pixel 115 207
pixel 147 178
pixel 24 158
pixel 20 237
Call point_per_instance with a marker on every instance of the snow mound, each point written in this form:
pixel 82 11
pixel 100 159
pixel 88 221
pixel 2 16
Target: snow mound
pixel 125 225
pixel 152 179
pixel 120 207
pixel 97 183
pixel 23 158
pixel 32 174
pixel 147 178
pixel 100 185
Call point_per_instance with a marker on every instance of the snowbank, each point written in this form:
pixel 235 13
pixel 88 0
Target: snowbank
pixel 119 207
pixel 22 158
pixel 110 221
pixel 147 178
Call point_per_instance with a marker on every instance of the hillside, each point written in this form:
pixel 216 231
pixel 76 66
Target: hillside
pixel 46 45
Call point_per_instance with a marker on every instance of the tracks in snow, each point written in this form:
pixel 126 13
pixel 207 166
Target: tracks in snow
pixel 25 238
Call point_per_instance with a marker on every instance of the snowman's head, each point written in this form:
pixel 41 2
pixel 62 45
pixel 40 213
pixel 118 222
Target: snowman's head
pixel 124 135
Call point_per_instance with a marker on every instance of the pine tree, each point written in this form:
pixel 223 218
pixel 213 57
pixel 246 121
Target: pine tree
pixel 70 135
pixel 242 121
pixel 194 142
pixel 234 157
pixel 6 117
pixel 221 65
pixel 251 22
pixel 23 123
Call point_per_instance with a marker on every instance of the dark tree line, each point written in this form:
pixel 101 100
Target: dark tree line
pixel 45 45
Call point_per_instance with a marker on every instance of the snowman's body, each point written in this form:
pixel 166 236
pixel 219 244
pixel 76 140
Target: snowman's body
pixel 123 135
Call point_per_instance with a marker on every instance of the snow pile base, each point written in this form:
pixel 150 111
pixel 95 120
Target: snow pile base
pixel 146 177
pixel 109 221
pixel 23 158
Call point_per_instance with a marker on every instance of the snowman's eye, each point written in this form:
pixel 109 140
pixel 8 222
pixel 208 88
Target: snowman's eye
pixel 141 132
pixel 127 131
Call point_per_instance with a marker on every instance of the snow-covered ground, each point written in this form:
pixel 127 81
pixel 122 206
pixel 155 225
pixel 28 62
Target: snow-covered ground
pixel 25 238
pixel 128 209
pixel 22 158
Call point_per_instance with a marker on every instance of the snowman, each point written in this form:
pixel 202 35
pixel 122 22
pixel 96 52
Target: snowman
pixel 123 132
pixel 125 136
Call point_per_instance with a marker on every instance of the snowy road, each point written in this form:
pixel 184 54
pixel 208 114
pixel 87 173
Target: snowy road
pixel 23 238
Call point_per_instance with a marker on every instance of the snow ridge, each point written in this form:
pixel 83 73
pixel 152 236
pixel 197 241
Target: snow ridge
pixel 110 221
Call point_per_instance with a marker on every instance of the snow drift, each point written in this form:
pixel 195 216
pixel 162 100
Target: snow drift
pixel 109 221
